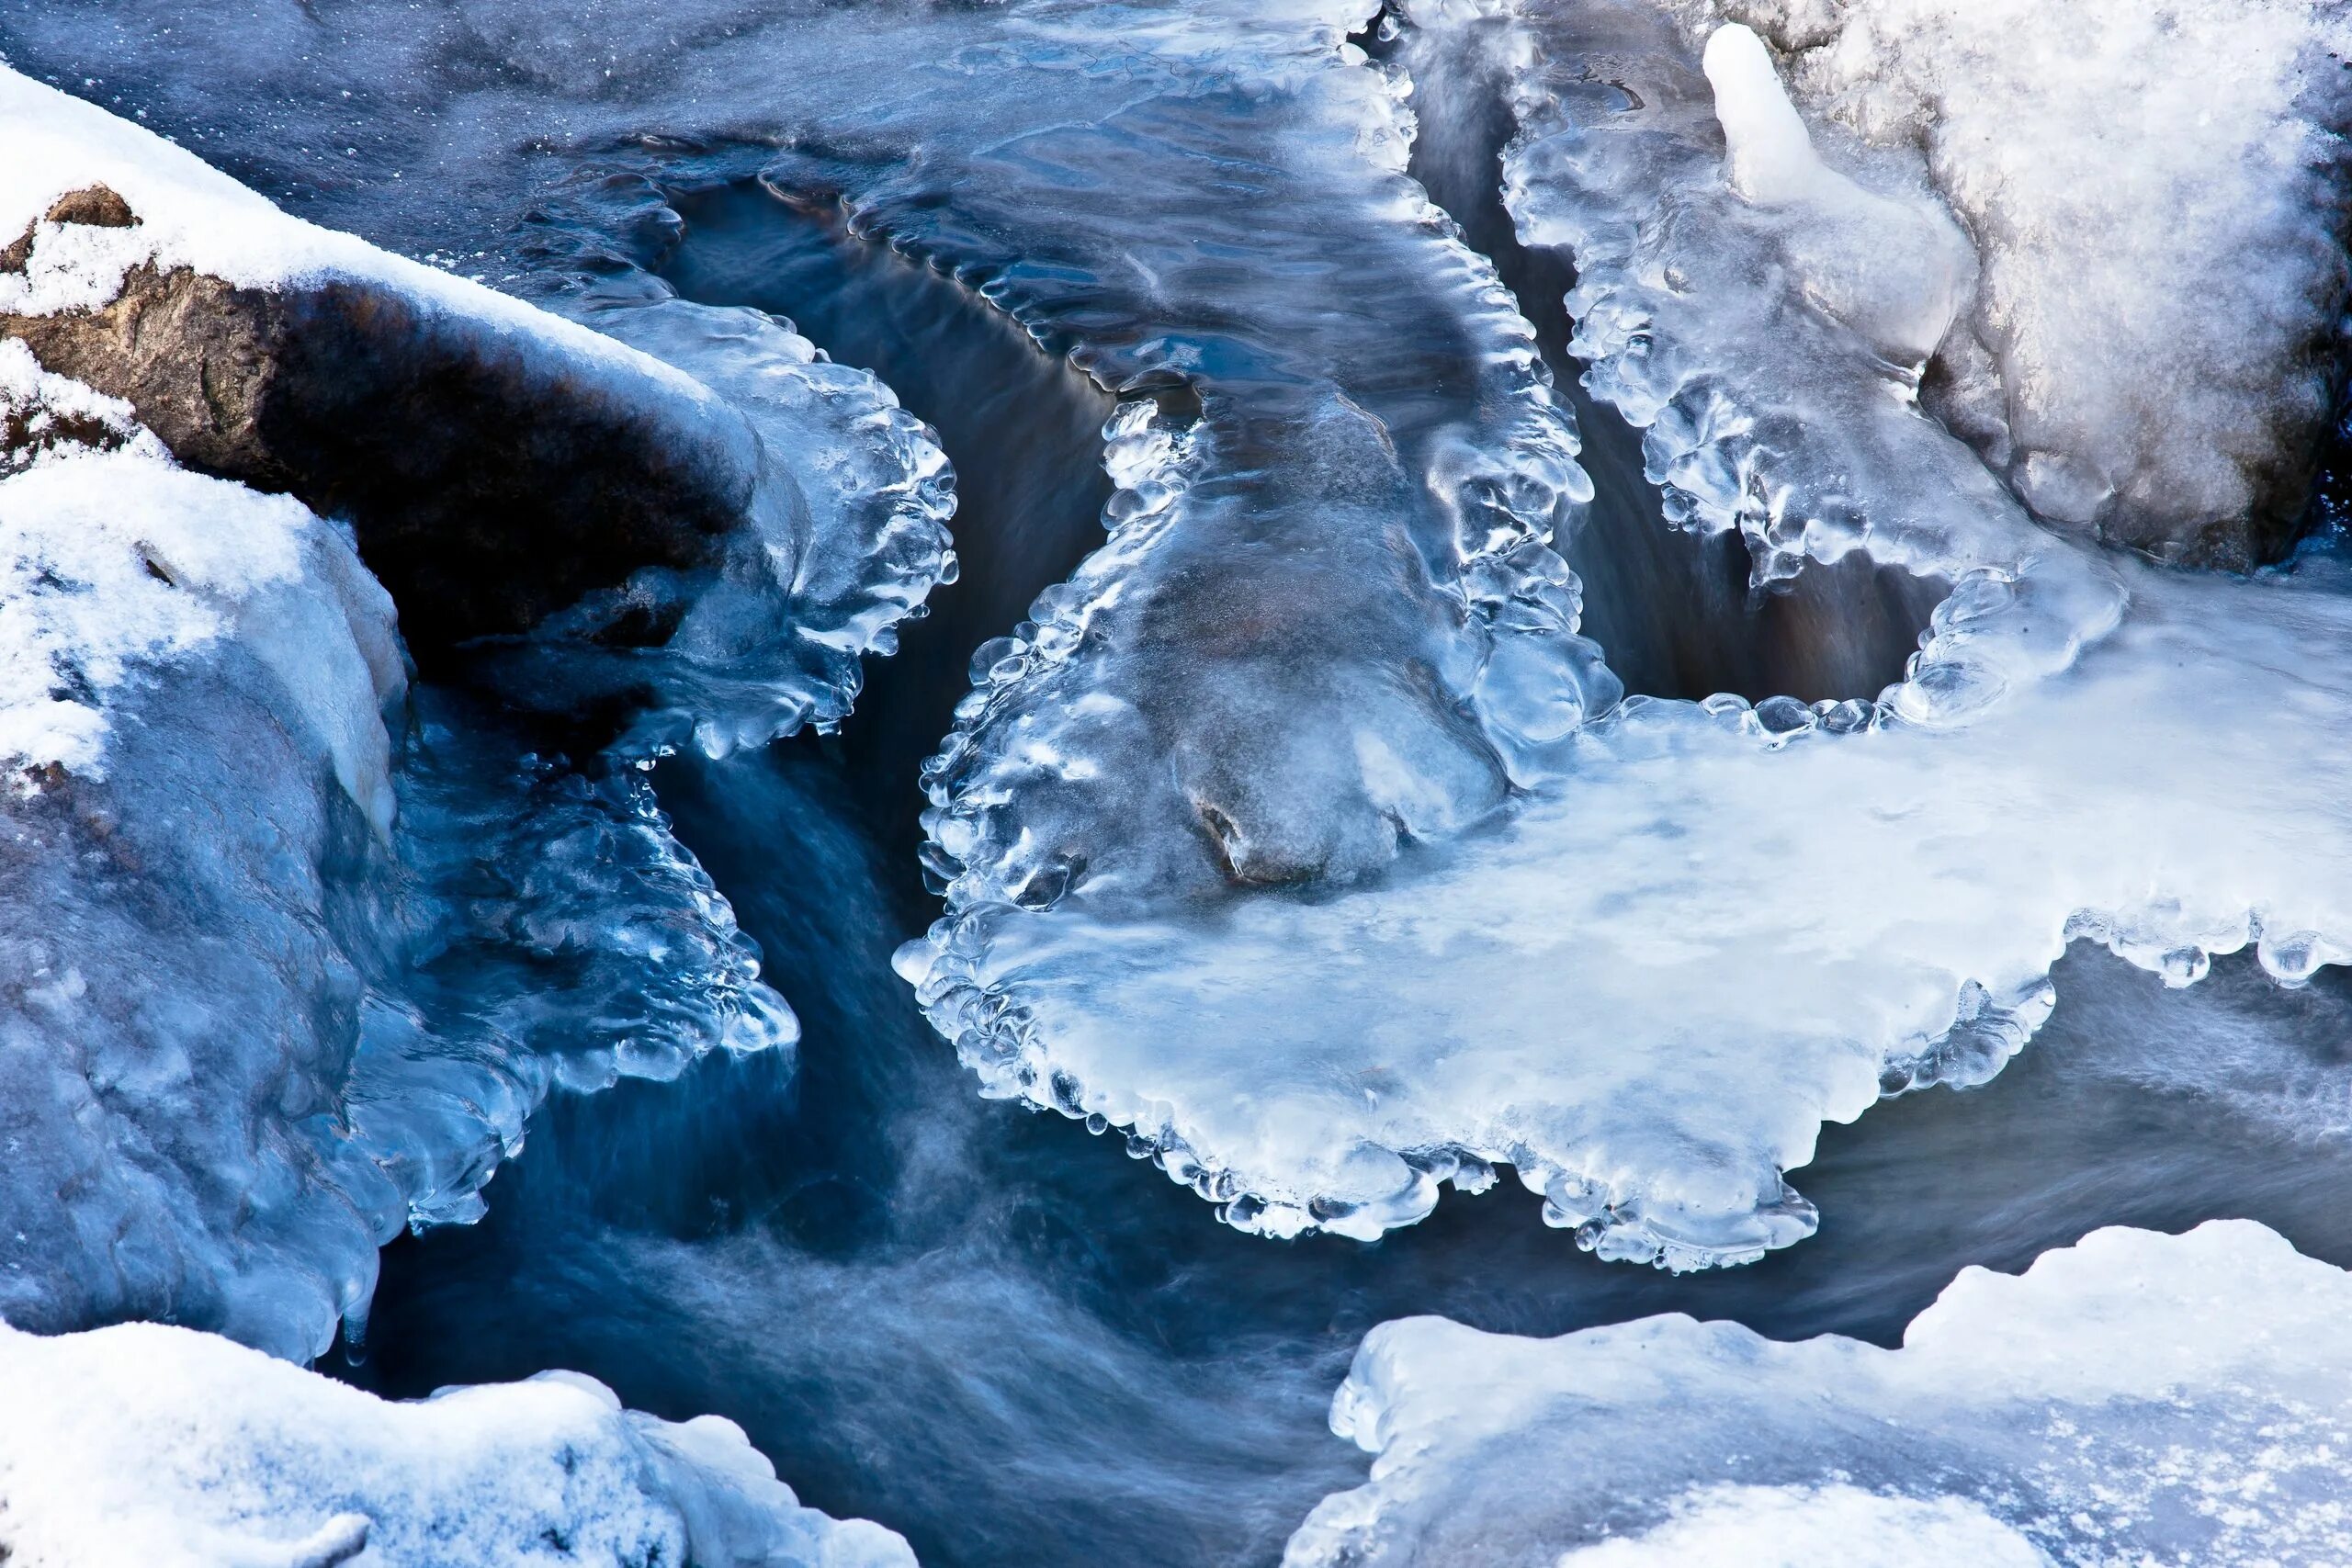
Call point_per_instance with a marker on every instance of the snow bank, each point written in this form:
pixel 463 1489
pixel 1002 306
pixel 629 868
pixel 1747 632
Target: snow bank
pixel 160 1448
pixel 2156 194
pixel 2135 1397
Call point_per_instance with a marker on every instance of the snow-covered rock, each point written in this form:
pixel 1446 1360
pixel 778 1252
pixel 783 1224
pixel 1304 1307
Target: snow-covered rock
pixel 142 1446
pixel 289 948
pixel 2135 1397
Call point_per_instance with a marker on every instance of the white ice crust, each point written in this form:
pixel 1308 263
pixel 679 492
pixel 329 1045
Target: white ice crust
pixel 142 1446
pixel 2133 1398
pixel 2153 192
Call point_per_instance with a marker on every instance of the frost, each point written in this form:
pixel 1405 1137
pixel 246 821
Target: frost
pixel 168 1449
pixel 2135 1397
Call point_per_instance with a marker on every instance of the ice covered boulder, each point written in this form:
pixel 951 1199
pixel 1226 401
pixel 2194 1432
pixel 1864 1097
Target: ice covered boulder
pixel 2135 1397
pixel 2155 192
pixel 497 462
pixel 291 947
pixel 163 1447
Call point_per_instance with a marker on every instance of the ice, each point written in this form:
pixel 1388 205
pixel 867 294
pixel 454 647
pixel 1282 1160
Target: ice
pixel 1328 618
pixel 2154 192
pixel 1769 343
pixel 255 1021
pixel 1713 927
pixel 1297 833
pixel 161 1447
pixel 1724 927
pixel 2135 1397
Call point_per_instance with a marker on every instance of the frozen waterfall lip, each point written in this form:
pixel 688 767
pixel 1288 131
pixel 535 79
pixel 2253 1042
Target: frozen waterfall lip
pixel 468 437
pixel 161 1446
pixel 2135 1393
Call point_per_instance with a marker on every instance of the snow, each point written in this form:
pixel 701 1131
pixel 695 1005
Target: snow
pixel 2154 190
pixel 2135 1397
pixel 159 1447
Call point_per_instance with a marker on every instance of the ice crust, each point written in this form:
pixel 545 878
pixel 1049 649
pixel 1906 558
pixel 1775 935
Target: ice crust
pixel 2115 162
pixel 164 1447
pixel 2135 1397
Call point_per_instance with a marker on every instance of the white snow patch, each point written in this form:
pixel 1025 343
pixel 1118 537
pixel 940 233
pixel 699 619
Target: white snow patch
pixel 2133 1398
pixel 150 1447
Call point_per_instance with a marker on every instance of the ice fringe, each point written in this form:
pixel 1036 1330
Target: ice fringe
pixel 2135 1397
pixel 141 1446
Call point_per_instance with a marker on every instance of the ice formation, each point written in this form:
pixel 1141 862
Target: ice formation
pixel 1221 827
pixel 2135 1397
pixel 165 1447
pixel 1705 929
pixel 2156 193
pixel 298 947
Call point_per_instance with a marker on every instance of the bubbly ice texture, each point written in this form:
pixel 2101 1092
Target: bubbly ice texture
pixel 2155 195
pixel 165 1447
pixel 2135 1397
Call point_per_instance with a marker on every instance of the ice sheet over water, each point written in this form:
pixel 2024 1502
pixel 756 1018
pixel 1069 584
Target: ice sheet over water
pixel 168 1449
pixel 2135 1397
pixel 1714 927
